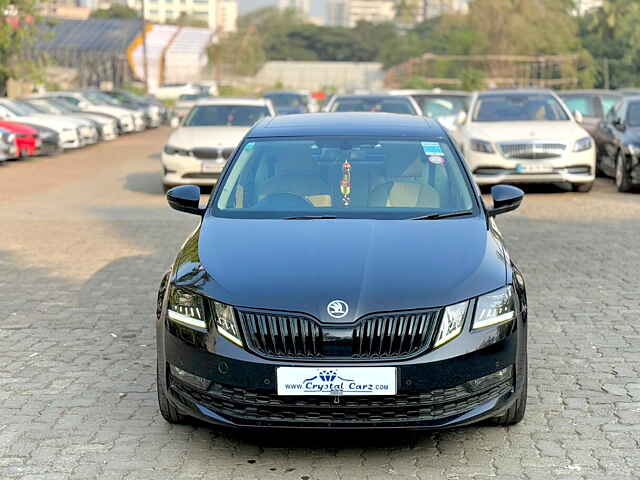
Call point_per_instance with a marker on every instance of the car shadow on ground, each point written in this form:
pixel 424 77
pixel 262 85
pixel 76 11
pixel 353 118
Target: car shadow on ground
pixel 144 182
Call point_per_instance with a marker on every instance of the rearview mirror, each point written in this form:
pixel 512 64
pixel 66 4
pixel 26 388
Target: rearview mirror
pixel 461 118
pixel 578 116
pixel 185 198
pixel 505 199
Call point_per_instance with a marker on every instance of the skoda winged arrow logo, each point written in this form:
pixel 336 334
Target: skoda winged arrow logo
pixel 337 308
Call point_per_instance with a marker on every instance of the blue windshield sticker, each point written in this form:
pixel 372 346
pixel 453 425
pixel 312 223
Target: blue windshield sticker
pixel 250 146
pixel 432 148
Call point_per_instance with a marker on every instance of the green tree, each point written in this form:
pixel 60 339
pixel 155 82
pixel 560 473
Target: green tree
pixel 115 11
pixel 18 31
pixel 612 37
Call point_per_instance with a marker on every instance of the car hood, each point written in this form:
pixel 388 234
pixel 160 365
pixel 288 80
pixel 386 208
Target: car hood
pixel 191 137
pixel 510 131
pixel 51 121
pixel 373 265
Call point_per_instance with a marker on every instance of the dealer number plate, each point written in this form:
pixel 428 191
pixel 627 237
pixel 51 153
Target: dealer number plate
pixel 532 168
pixel 212 167
pixel 336 381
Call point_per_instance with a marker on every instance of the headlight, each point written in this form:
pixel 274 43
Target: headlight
pixel 481 146
pixel 495 308
pixel 583 144
pixel 186 308
pixel 170 150
pixel 451 323
pixel 9 138
pixel 226 322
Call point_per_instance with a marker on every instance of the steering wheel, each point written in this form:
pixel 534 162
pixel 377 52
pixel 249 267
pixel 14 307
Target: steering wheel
pixel 284 201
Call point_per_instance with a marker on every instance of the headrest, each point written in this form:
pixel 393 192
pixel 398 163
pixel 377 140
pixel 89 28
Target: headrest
pixel 405 160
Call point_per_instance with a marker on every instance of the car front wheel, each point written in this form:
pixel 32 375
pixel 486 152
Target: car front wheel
pixel 623 182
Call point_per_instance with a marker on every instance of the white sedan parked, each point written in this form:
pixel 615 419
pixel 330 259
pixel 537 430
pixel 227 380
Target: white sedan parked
pixel 525 136
pixel 198 150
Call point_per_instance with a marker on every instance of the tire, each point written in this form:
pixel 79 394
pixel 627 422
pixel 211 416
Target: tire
pixel 623 182
pixel 582 187
pixel 515 413
pixel 168 411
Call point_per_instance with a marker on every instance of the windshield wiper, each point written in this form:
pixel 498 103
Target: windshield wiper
pixel 312 217
pixel 438 216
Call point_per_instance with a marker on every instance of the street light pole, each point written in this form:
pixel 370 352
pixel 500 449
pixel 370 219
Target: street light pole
pixel 145 65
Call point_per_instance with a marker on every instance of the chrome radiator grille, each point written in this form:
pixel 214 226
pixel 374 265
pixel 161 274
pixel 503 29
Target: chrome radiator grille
pixel 532 150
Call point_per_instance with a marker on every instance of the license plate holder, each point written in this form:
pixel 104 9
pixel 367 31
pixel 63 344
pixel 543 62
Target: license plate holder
pixel 336 381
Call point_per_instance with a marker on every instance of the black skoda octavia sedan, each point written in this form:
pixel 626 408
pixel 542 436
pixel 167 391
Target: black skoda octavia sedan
pixel 345 274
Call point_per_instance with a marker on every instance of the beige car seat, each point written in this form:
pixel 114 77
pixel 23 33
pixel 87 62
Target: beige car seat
pixel 406 186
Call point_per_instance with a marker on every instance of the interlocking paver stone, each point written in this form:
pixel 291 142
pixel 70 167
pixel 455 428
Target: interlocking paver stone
pixel 85 239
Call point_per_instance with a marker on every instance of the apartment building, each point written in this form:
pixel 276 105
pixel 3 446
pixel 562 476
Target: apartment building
pixel 302 6
pixel 435 8
pixel 347 13
pixel 219 15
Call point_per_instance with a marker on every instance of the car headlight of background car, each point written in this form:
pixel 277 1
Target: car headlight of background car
pixel 583 144
pixel 481 146
pixel 171 150
pixel 493 308
pixel 189 309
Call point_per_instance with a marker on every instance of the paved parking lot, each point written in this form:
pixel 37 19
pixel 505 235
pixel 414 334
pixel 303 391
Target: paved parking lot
pixel 84 240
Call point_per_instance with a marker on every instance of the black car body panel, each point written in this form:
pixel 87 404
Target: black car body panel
pixel 395 269
pixel 619 136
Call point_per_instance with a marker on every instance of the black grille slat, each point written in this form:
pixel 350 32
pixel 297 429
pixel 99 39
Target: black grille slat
pixel 378 336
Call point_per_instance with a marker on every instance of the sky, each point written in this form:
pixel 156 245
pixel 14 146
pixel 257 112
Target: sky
pixel 317 6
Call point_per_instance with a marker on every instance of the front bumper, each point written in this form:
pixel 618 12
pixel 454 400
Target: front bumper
pixel 69 139
pixel 139 123
pixel 188 170
pixel 572 167
pixel 126 124
pixel 433 391
pixel 108 132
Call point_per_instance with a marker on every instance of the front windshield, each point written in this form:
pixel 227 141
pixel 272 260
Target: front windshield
pixel 15 109
pixel 286 100
pixel 585 104
pixel 64 105
pixel 369 104
pixel 518 108
pixel 367 177
pixel 100 98
pixel 633 114
pixel 191 96
pixel 441 105
pixel 29 108
pixel 44 106
pixel 225 115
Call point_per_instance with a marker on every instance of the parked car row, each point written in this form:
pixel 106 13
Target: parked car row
pixel 515 136
pixel 49 123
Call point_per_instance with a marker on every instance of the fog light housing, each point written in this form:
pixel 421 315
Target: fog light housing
pixel 488 381
pixel 189 378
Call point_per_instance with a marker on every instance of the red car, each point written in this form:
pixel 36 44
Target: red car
pixel 27 141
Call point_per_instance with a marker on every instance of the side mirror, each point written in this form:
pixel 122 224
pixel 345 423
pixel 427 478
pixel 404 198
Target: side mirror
pixel 578 116
pixel 175 122
pixel 185 198
pixel 83 105
pixel 619 124
pixel 505 199
pixel 461 117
